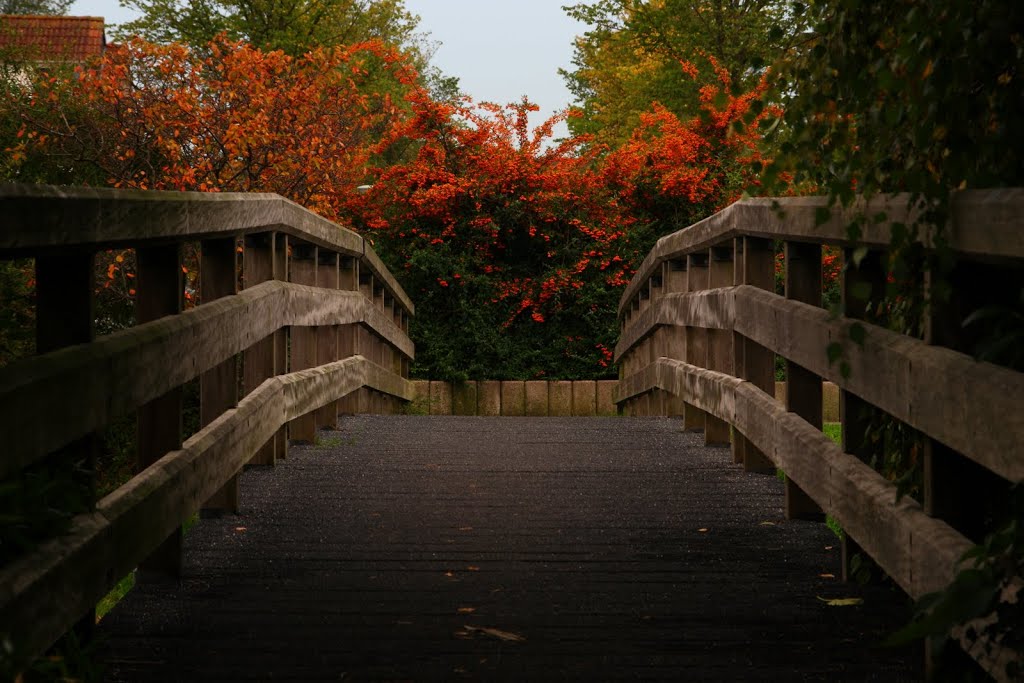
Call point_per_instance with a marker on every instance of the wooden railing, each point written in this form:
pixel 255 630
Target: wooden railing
pixel 298 321
pixel 701 325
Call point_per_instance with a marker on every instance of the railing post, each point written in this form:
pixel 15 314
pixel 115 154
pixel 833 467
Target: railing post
pixel 259 362
pixel 218 386
pixel 328 277
pixel 758 362
pixel 160 292
pixel 720 351
pixel 854 412
pixel 675 336
pixel 303 271
pixel 955 485
pixel 348 335
pixel 364 339
pixel 659 404
pixel 282 271
pixel 64 317
pixel 803 387
pixel 739 350
pixel 696 337
pixel 405 328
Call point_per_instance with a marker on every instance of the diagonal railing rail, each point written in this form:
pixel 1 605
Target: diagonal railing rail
pixel 298 322
pixel 702 324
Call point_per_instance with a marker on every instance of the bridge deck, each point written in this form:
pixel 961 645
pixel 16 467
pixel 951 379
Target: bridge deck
pixel 614 548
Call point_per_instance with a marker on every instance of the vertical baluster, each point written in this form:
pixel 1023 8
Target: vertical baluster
pixel 803 387
pixel 303 271
pixel 328 277
pixel 657 342
pixel 719 349
pixel 854 412
pixel 218 386
pixel 64 317
pixel 696 337
pixel 348 335
pixel 282 260
pixel 758 361
pixel 160 292
pixel 675 335
pixel 365 338
pixel 258 361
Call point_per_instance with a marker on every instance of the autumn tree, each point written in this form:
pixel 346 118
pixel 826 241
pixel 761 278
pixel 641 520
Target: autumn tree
pixel 505 240
pixel 232 118
pixel 630 55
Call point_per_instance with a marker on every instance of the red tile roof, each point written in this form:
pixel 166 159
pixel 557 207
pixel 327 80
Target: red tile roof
pixel 52 38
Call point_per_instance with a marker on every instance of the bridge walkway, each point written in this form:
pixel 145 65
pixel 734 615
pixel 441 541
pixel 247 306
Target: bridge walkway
pixel 447 548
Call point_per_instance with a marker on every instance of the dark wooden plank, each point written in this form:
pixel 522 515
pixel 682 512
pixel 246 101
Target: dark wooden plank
pixel 374 555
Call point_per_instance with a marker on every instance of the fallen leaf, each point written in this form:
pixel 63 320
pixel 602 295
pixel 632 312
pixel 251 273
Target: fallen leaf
pixel 827 576
pixel 473 568
pixel 240 528
pixel 702 530
pixel 496 633
pixel 842 602
pixel 449 574
pixel 466 610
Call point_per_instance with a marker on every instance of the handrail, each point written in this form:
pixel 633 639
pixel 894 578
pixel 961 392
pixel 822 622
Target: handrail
pixel 701 327
pixel 34 218
pixel 45 591
pixel 110 374
pixel 889 370
pixel 321 328
pixel 795 218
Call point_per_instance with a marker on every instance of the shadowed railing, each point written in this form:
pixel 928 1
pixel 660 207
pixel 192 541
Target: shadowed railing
pixel 298 321
pixel 701 325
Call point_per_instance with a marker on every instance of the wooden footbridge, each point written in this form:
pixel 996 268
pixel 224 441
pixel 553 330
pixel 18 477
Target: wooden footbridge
pixel 422 548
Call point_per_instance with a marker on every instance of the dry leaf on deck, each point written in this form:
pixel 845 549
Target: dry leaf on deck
pixel 496 633
pixel 842 602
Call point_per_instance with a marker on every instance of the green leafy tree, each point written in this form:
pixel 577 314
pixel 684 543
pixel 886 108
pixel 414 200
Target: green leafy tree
pixel 924 98
pixel 294 27
pixel 35 6
pixel 631 55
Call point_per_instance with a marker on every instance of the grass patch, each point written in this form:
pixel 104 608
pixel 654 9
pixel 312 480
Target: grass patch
pixel 122 589
pixel 832 524
pixel 834 431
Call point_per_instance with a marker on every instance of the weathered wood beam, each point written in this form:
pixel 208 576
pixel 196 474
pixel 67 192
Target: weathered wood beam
pixel 40 217
pixel 44 592
pixel 118 373
pixel 985 224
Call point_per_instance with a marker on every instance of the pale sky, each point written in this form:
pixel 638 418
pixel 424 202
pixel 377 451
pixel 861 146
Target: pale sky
pixel 499 49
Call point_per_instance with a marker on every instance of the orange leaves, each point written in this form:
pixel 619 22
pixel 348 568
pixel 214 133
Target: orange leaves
pixel 236 119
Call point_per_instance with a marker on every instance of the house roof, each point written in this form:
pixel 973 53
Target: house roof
pixel 52 38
